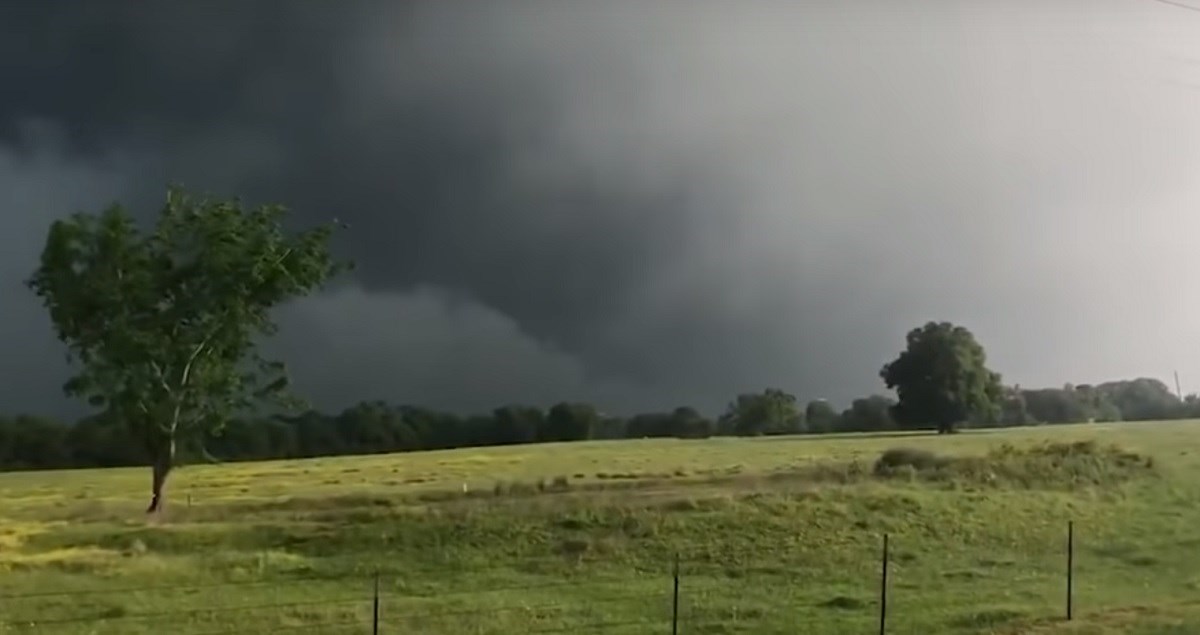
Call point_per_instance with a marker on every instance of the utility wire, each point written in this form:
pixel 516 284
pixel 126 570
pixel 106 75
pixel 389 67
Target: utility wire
pixel 1179 4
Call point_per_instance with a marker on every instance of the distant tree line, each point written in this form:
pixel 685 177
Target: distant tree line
pixel 31 442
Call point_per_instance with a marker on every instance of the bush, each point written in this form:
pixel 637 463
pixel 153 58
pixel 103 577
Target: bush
pixel 920 460
pixel 1082 463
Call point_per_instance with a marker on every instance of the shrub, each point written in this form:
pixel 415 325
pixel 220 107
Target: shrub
pixel 920 460
pixel 1080 463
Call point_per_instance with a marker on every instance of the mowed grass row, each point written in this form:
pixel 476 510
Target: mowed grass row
pixel 773 535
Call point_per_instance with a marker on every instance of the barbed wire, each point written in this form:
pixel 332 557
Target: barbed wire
pixel 362 600
pixel 558 584
pixel 575 628
pixel 189 611
pixel 160 588
pixel 404 600
pixel 491 610
pixel 289 629
pixel 432 593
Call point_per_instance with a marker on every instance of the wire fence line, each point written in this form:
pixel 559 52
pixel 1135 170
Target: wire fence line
pixel 665 602
pixel 366 621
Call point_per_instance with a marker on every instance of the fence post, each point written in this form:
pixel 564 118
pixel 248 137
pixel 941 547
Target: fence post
pixel 675 600
pixel 375 608
pixel 883 588
pixel 1070 568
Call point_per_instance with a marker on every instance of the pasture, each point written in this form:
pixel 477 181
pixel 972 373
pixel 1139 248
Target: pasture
pixel 773 535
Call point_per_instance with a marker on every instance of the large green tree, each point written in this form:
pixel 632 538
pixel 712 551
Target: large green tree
pixel 772 411
pixel 820 416
pixel 1141 399
pixel 162 324
pixel 867 414
pixel 941 379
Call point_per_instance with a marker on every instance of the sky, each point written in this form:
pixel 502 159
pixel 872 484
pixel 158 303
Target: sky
pixel 641 204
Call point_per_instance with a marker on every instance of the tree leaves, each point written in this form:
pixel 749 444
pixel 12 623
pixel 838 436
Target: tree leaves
pixel 163 325
pixel 772 411
pixel 942 378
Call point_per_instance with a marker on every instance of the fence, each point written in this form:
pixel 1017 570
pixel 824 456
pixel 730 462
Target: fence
pixel 645 602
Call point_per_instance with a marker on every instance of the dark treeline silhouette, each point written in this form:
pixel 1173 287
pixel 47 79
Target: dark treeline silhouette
pixel 31 442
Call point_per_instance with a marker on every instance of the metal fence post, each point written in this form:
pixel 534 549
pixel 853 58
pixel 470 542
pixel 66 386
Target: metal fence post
pixel 675 600
pixel 375 608
pixel 883 588
pixel 1070 568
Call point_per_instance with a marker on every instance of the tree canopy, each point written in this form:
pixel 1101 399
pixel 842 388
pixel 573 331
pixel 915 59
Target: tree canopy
pixel 772 411
pixel 162 326
pixel 942 379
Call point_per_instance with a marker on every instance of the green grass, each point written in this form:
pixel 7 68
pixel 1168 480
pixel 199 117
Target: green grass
pixel 774 535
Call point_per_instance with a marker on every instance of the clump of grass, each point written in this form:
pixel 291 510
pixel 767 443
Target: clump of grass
pixel 988 618
pixel 917 459
pixel 575 547
pixel 136 548
pixel 844 603
pixel 1049 465
pixel 439 496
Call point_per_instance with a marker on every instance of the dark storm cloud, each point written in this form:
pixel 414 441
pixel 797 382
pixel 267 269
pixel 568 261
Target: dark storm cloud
pixel 39 178
pixel 650 203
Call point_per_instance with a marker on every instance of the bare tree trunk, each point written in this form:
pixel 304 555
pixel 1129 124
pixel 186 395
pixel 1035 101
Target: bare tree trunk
pixel 164 460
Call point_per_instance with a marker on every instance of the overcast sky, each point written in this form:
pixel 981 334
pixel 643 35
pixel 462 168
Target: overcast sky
pixel 645 203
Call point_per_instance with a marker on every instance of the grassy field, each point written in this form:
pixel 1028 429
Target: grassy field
pixel 773 535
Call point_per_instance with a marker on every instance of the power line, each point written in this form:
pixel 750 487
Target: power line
pixel 1180 5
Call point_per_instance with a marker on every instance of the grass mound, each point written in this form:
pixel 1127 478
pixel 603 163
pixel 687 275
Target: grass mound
pixel 899 458
pixel 1074 464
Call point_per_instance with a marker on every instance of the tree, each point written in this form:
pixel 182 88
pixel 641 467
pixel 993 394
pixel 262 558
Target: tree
pixel 820 416
pixel 570 422
pixel 772 411
pixel 1055 405
pixel 867 414
pixel 941 378
pixel 649 424
pixel 688 423
pixel 518 424
pixel 374 427
pixel 163 326
pixel 1191 407
pixel 1142 399
pixel 1014 409
pixel 1098 405
pixel 29 442
pixel 611 427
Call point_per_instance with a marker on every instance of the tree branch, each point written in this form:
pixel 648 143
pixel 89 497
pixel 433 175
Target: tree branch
pixel 185 375
pixel 162 378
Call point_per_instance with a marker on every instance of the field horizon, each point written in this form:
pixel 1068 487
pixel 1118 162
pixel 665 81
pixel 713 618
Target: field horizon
pixel 772 535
